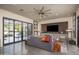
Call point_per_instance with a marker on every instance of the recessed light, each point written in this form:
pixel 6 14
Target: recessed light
pixel 56 14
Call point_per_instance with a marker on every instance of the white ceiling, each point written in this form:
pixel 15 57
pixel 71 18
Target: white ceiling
pixel 57 10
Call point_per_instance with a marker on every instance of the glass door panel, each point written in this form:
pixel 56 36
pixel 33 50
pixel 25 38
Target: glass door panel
pixel 8 31
pixel 11 37
pixel 15 31
pixel 29 29
pixel 24 31
pixel 18 31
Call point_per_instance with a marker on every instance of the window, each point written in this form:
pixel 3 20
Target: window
pixel 15 31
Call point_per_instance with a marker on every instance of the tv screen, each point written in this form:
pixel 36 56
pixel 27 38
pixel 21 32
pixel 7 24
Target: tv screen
pixel 52 28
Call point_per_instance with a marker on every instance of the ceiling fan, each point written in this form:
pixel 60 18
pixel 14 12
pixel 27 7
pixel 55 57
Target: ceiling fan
pixel 39 13
pixel 42 12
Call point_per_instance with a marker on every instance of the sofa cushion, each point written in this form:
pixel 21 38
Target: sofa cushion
pixel 57 47
pixel 45 38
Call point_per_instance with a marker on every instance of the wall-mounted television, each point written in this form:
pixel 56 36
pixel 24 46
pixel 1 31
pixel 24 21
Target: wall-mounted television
pixel 52 28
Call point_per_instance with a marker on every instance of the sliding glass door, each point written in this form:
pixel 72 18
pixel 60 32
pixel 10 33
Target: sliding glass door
pixel 8 31
pixel 25 32
pixel 29 29
pixel 15 31
pixel 18 31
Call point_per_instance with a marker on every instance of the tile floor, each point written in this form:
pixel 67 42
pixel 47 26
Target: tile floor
pixel 21 49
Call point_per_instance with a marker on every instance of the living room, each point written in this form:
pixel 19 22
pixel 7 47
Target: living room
pixel 36 26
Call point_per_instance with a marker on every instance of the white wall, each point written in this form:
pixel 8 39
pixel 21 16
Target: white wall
pixel 5 13
pixel 77 14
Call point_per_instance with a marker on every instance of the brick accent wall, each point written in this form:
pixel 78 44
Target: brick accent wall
pixel 63 26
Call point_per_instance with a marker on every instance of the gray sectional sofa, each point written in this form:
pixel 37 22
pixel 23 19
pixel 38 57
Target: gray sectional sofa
pixel 36 42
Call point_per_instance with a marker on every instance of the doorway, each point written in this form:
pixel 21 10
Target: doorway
pixel 15 31
pixel 8 31
pixel 18 31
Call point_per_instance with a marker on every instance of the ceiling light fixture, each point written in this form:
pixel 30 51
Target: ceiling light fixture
pixel 42 12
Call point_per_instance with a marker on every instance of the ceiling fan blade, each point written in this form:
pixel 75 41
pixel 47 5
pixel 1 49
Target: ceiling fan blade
pixel 42 8
pixel 36 10
pixel 38 16
pixel 47 10
pixel 48 13
pixel 44 16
